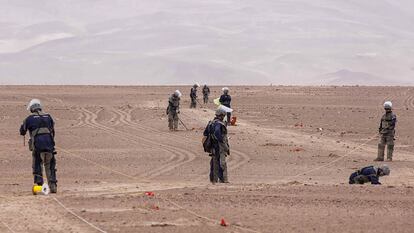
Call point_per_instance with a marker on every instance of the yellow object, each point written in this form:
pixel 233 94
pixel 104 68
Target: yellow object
pixel 217 101
pixel 37 189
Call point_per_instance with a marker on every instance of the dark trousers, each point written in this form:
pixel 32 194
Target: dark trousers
pixel 50 167
pixel 218 166
pixel 356 178
pixel 193 103
pixel 205 99
pixel 215 164
pixel 228 118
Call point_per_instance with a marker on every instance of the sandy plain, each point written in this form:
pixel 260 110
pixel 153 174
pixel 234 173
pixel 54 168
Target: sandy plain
pixel 292 152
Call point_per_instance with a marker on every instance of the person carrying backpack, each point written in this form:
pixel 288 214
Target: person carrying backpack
pixel 216 143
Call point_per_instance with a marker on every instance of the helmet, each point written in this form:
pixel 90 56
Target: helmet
pixel 225 89
pixel 34 105
pixel 385 169
pixel 223 110
pixel 226 109
pixel 388 105
pixel 177 93
pixel 196 85
pixel 220 112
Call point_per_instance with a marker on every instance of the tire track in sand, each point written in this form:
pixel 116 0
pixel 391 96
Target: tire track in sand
pixel 91 121
pixel 126 119
pixel 237 158
pixel 409 100
pixel 174 161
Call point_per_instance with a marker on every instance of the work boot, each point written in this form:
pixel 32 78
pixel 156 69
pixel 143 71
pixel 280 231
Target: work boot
pixel 53 187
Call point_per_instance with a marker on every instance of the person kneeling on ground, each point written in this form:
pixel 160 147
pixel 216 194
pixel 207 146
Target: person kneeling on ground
pixel 369 174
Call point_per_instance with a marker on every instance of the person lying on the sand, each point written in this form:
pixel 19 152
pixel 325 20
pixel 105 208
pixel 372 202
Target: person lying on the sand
pixel 369 174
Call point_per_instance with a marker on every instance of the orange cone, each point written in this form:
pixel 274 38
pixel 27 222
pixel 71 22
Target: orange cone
pixel 223 223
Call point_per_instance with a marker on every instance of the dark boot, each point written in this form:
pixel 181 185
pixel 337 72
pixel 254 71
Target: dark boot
pixel 53 187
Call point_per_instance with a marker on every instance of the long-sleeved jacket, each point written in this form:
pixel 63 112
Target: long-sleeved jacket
pixel 42 131
pixel 220 140
pixel 387 124
pixel 193 93
pixel 173 104
pixel 206 90
pixel 225 100
pixel 370 174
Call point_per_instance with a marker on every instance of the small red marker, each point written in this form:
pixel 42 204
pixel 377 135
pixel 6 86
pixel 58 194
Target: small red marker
pixel 223 223
pixel 150 194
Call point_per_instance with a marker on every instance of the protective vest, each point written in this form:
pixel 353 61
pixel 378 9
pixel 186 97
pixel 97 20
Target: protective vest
pixel 43 128
pixel 173 103
pixel 225 100
pixel 193 93
pixel 387 124
pixel 221 146
pixel 206 90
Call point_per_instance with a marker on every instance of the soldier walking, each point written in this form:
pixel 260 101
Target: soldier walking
pixel 387 133
pixel 173 110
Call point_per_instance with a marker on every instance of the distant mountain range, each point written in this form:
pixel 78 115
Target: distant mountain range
pixel 129 42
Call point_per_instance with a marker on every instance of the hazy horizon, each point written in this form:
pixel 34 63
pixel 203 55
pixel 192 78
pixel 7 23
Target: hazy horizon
pixel 219 42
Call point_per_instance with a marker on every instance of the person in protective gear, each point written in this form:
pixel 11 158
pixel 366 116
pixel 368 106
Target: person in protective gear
pixel 369 174
pixel 387 133
pixel 206 93
pixel 220 149
pixel 173 110
pixel 41 128
pixel 225 99
pixel 193 96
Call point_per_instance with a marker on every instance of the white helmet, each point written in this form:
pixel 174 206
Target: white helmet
pixel 388 105
pixel 34 104
pixel 220 112
pixel 385 169
pixel 196 85
pixel 177 93
pixel 225 89
pixel 224 108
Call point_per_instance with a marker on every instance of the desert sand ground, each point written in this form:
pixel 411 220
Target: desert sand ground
pixel 286 174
